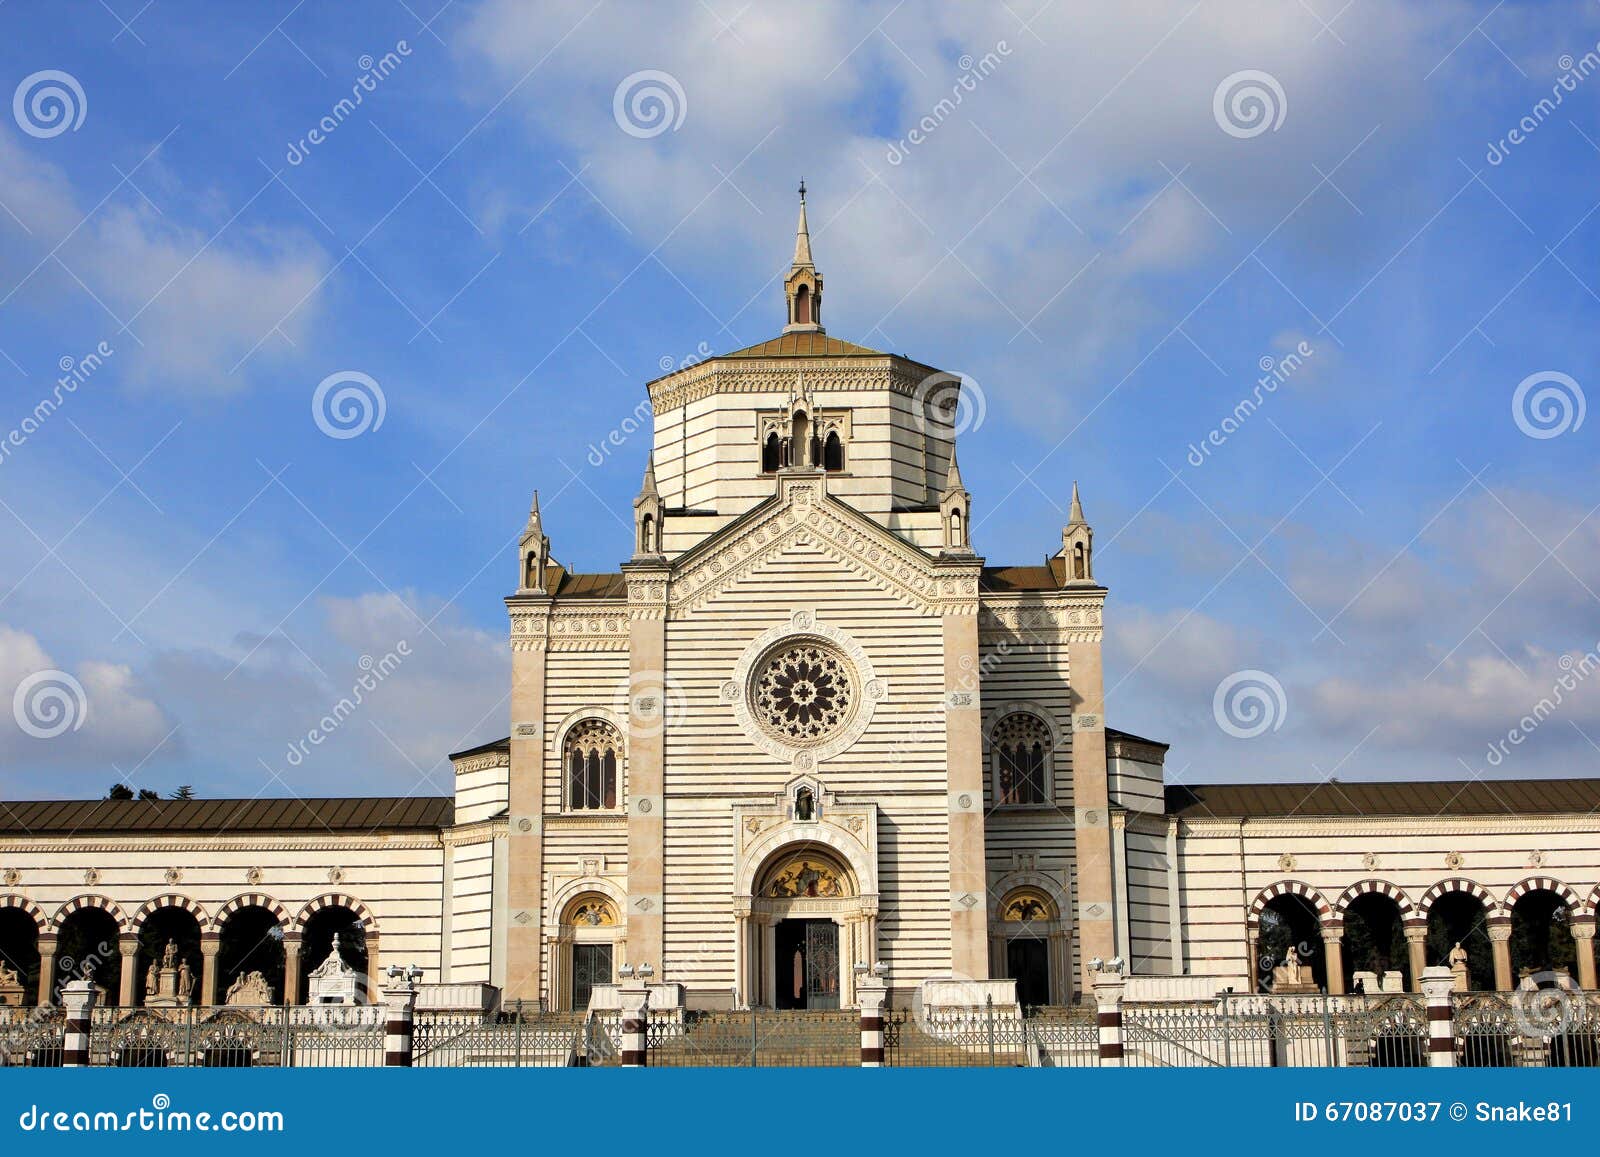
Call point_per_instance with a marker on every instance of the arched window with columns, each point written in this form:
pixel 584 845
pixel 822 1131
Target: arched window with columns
pixel 592 762
pixel 1021 748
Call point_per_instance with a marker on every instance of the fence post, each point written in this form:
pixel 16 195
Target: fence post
pixel 635 1022
pixel 871 991
pixel 400 1010
pixel 1437 983
pixel 77 999
pixel 1108 984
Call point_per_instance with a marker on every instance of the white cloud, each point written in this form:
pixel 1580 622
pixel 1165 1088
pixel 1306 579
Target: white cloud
pixel 198 298
pixel 84 718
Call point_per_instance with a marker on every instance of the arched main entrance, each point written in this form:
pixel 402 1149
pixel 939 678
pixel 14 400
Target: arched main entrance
pixel 1029 942
pixel 590 942
pixel 806 930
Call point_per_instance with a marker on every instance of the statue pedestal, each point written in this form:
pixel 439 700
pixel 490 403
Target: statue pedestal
pixel 1458 979
pixel 11 992
pixel 1294 988
pixel 166 994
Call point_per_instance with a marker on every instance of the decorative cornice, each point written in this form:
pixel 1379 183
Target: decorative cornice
pixel 247 841
pixel 777 376
pixel 489 759
pixel 1494 825
pixel 1045 617
pixel 494 828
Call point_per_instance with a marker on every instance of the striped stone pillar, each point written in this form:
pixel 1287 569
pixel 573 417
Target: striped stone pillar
pixel 400 1009
pixel 635 1024
pixel 1108 987
pixel 871 991
pixel 1437 982
pixel 77 998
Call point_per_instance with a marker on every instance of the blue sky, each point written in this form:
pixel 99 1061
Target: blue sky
pixel 1102 242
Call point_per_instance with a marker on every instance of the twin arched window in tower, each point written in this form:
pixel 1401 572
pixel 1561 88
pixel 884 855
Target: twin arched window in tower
pixel 1020 746
pixel 592 758
pixel 824 439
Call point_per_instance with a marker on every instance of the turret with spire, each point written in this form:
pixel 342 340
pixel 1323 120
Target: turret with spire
pixel 802 289
pixel 533 553
pixel 955 511
pixel 1077 544
pixel 648 512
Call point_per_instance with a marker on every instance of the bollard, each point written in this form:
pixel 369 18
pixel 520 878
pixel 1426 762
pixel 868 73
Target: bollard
pixel 635 1023
pixel 1108 984
pixel 400 1010
pixel 77 999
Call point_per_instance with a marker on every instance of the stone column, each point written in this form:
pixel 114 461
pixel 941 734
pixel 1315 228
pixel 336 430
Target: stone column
pixel 646 723
pixel 1119 881
pixel 1437 983
pixel 1094 893
pixel 77 999
pixel 374 967
pixel 555 975
pixel 969 870
pixel 128 945
pixel 635 1023
pixel 47 968
pixel 291 968
pixel 1333 959
pixel 523 918
pixel 1500 943
pixel 1583 937
pixel 870 990
pixel 1417 950
pixel 769 961
pixel 210 943
pixel 741 954
pixel 1108 987
pixel 399 1016
pixel 1061 966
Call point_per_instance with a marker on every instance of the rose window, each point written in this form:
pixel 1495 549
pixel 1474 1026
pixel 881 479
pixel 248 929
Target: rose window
pixel 803 692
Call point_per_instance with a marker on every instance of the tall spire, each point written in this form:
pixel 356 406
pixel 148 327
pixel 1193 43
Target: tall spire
pixel 1075 514
pixel 802 289
pixel 802 233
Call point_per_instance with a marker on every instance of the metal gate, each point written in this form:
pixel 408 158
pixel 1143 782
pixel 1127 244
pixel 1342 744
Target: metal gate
pixel 822 964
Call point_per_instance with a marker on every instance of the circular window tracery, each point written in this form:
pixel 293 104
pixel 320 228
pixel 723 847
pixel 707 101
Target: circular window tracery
pixel 804 692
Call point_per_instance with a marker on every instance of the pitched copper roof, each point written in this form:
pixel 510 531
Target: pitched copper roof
pixel 1446 798
pixel 807 344
pixel 590 586
pixel 216 816
pixel 999 579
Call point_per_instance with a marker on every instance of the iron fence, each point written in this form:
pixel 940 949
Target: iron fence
pixel 955 1038
pixel 1545 1028
pixel 1287 1031
pixel 313 1036
pixel 473 1040
pixel 1062 1036
pixel 31 1037
pixel 756 1038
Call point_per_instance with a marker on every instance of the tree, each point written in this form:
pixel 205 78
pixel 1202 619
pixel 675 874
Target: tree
pixel 185 791
pixel 149 794
pixel 120 791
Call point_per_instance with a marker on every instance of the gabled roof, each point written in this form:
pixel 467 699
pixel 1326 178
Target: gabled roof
pixel 482 748
pixel 220 816
pixel 1428 798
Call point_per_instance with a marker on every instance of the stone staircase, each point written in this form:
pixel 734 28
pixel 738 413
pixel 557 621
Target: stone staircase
pixel 765 1039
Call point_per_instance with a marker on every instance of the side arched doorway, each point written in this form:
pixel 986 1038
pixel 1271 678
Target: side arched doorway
pixel 1029 943
pixel 19 957
pixel 806 931
pixel 590 942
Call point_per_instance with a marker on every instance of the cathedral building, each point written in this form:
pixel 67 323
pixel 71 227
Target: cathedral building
pixel 803 732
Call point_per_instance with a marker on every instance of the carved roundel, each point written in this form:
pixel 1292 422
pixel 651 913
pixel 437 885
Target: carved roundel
pixel 804 691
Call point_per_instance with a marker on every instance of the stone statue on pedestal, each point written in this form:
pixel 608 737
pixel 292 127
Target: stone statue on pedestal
pixel 1460 980
pixel 1292 977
